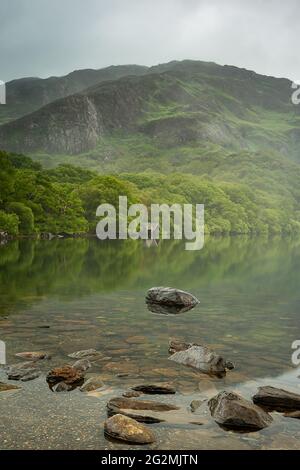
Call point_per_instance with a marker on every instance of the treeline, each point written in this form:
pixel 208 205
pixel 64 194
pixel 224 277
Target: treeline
pixel 34 200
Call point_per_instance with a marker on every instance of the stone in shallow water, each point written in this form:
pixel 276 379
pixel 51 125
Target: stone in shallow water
pixel 131 394
pixel 92 384
pixel 176 345
pixel 34 355
pixel 128 430
pixel 137 409
pixel 31 375
pixel 62 387
pixel 67 374
pixel 195 404
pixel 5 387
pixel 277 399
pixel 155 388
pixel 82 365
pixel 234 412
pixel 86 354
pixel 19 373
pixel 170 296
pixel 202 358
pixel 292 414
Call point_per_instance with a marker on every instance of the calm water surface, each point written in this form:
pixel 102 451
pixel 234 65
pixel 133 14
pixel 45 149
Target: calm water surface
pixel 66 295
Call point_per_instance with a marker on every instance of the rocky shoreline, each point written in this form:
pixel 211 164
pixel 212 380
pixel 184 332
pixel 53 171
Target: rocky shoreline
pixel 130 415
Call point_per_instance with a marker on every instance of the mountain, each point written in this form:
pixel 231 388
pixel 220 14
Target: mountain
pixel 169 106
pixel 26 95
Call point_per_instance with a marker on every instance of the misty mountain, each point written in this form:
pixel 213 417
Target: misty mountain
pixel 169 106
pixel 26 95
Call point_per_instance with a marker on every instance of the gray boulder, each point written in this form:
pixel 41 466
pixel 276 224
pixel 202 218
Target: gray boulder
pixel 169 296
pixel 234 412
pixel 203 359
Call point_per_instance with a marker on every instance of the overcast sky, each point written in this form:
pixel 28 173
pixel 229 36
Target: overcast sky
pixel 54 37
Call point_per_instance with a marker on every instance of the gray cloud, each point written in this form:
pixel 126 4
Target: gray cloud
pixel 54 37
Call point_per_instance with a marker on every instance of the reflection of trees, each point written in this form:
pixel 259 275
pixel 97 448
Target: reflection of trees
pixel 75 267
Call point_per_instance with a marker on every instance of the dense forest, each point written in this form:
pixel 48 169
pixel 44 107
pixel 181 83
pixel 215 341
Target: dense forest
pixel 34 200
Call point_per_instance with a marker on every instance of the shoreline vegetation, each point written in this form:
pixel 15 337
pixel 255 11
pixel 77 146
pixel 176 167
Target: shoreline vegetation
pixel 62 201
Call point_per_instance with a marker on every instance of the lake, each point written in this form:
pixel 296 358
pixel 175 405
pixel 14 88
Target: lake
pixel 66 295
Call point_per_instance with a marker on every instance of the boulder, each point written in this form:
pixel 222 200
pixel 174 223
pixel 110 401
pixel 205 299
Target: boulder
pixel 92 384
pixel 141 410
pixel 203 359
pixel 169 296
pixel 128 430
pixel 163 389
pixel 234 412
pixel 277 399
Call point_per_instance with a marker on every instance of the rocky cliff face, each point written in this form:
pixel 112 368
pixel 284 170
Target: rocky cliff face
pixel 174 104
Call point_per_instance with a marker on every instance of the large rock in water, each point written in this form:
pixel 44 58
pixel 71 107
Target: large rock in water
pixel 203 359
pixel 128 430
pixel 169 296
pixel 277 399
pixel 67 374
pixel 234 412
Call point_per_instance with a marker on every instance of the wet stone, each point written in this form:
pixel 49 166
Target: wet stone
pixel 82 365
pixel 93 383
pixel 90 354
pixel 128 430
pixel 163 389
pixel 277 399
pixel 235 412
pixel 34 355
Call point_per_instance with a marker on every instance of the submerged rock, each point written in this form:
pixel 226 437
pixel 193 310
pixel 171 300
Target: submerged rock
pixel 195 404
pixel 292 414
pixel 155 389
pixel 67 374
pixel 203 359
pixel 34 355
pixel 86 354
pixel 134 408
pixel 169 296
pixel 82 365
pixel 62 387
pixel 92 384
pixel 34 374
pixel 6 387
pixel 234 412
pixel 277 399
pixel 15 373
pixel 131 394
pixel 128 430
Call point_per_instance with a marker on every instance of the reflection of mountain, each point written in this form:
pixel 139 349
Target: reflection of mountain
pixel 84 266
